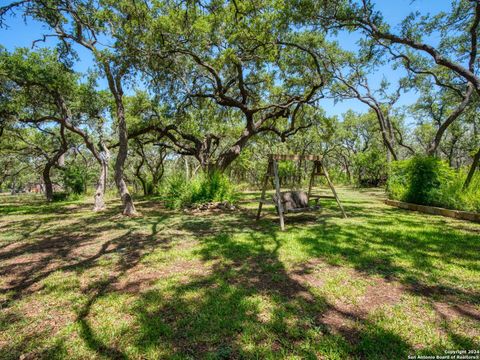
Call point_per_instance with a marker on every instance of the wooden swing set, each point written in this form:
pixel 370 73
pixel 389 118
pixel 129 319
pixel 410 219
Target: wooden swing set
pixel 318 169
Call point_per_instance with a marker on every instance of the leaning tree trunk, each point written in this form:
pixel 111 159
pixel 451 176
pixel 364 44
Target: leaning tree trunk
pixel 473 168
pixel 432 150
pixel 99 202
pixel 233 152
pixel 46 174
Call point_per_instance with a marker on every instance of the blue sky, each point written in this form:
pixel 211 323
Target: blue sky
pixel 21 34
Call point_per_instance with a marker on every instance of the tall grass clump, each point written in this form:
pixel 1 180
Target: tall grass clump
pixel 430 181
pixel 203 188
pixel 173 191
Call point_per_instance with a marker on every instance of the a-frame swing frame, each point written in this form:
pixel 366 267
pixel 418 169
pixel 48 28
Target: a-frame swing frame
pixel 318 169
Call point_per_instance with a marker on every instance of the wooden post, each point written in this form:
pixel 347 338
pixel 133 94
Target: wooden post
pixel 330 184
pixel 264 188
pixel 279 198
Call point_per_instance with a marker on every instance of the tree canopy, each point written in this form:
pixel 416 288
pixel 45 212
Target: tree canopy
pixel 215 86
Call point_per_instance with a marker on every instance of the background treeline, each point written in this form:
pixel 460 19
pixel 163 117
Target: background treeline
pixel 186 99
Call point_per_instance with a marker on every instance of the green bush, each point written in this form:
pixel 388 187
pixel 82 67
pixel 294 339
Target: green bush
pixel 451 194
pixel 74 179
pixel 370 168
pixel 430 181
pixel 65 196
pixel 60 196
pixel 174 191
pixel 471 196
pixel 398 180
pixel 426 176
pixel 201 189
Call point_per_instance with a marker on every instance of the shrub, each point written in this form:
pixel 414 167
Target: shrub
pixel 451 194
pixel 426 175
pixel 211 187
pixel 74 179
pixel 471 196
pixel 430 181
pixel 60 196
pixel 174 191
pixel 65 196
pixel 370 168
pixel 201 189
pixel 398 179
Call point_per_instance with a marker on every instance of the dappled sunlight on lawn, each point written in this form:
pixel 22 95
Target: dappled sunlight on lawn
pixel 383 283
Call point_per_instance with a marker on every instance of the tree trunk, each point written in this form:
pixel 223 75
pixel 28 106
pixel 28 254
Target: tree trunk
pixel 48 182
pixel 98 198
pixel 157 171
pixel 348 172
pixel 229 155
pixel 46 173
pixel 386 136
pixel 54 161
pixel 471 172
pixel 144 184
pixel 432 150
pixel 99 202
pixel 450 156
pixel 127 201
pixel 389 156
pixel 156 176
pixel 114 83
pixel 138 171
pixel 385 129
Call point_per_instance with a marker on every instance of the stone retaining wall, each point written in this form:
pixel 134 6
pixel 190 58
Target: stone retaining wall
pixel 464 215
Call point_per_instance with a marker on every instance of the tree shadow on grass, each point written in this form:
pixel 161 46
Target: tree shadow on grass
pixel 58 208
pixel 415 255
pixel 388 242
pixel 30 262
pixel 249 306
pixel 246 303
pixel 394 246
pixel 59 256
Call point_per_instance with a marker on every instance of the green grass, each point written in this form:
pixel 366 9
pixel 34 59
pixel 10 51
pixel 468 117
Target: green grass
pixel 383 284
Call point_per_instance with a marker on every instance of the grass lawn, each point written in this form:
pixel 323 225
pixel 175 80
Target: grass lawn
pixel 382 284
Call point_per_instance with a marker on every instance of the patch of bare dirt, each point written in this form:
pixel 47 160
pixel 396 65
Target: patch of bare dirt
pixel 343 317
pixel 454 311
pixel 382 292
pixel 308 273
pixel 16 270
pixel 342 322
pixel 53 317
pixel 141 277
pixel 250 273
